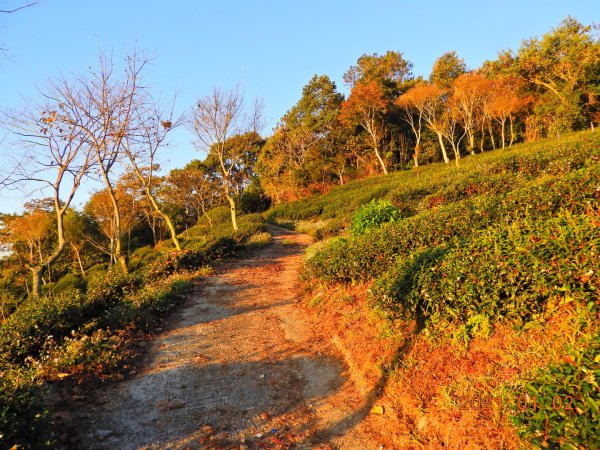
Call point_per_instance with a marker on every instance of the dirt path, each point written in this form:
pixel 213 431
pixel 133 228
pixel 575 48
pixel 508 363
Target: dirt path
pixel 241 365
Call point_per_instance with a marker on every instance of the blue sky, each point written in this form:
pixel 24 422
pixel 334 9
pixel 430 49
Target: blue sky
pixel 270 48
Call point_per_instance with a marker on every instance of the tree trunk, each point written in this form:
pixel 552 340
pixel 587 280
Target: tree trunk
pixel 416 155
pixel 443 147
pixel 38 271
pixel 36 275
pixel 456 151
pixel 118 241
pixel 76 250
pixel 482 140
pixel 210 222
pixel 472 144
pixel 512 132
pixel 172 231
pixel 233 212
pixel 231 203
pixel 380 160
pixel 166 218
pixel 492 135
pixel 503 123
pixel 118 251
pixel 153 229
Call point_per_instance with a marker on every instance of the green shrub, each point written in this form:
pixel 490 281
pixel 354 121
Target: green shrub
pixel 24 422
pixel 259 240
pixel 96 273
pixel 142 256
pixel 560 406
pixel 364 257
pixel 38 322
pixel 8 303
pixel 215 216
pixel 373 215
pixel 506 272
pixel 254 200
pixel 70 283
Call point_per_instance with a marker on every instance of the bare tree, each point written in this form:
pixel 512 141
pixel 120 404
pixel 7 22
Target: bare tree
pixel 149 134
pixel 102 106
pixel 54 156
pixel 216 118
pixel 450 125
pixel 412 113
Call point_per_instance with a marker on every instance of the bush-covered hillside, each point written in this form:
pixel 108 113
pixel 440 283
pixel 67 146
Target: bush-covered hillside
pixel 84 329
pixel 509 239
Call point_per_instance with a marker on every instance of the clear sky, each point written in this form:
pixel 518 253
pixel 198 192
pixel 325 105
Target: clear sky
pixel 270 48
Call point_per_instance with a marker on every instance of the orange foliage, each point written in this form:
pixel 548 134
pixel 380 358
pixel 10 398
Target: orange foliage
pixel 365 101
pixel 31 230
pixel 420 96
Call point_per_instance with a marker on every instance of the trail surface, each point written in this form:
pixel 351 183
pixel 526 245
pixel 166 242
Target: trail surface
pixel 240 365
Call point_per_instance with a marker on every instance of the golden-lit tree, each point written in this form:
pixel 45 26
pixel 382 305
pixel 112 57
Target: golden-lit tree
pixel 470 91
pixel 428 102
pixel 504 104
pixel 367 107
pixel 53 156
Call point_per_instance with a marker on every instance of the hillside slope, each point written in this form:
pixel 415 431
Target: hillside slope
pixel 487 286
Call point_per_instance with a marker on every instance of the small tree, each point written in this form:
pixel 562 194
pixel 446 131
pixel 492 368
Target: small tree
pixel 366 107
pixel 54 156
pixel 469 93
pixel 149 131
pixel 217 118
pixel 446 69
pixel 428 100
pixel 505 102
pixel 194 188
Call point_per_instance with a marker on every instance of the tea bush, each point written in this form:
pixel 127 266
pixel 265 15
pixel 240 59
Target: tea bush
pixel 496 171
pixel 24 420
pixel 259 240
pixel 367 256
pixel 373 215
pixel 506 272
pixel 561 403
pixel 70 283
pixel 215 216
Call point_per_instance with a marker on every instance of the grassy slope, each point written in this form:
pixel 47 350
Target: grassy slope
pixel 499 259
pixel 429 186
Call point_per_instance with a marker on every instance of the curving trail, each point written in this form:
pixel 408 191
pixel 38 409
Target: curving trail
pixel 240 365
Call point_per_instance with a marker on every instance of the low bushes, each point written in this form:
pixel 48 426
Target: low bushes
pixel 560 406
pixel 259 240
pixel 70 283
pixel 23 417
pixel 373 215
pixel 510 272
pixel 364 257
pixel 492 172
